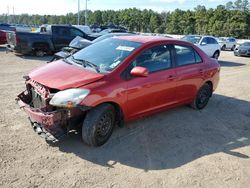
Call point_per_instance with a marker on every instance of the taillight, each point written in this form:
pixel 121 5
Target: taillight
pixel 17 39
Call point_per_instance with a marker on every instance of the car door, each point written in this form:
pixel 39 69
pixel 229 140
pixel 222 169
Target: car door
pixel 157 90
pixel 231 43
pixel 61 37
pixel 189 72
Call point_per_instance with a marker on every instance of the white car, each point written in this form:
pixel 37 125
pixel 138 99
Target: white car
pixel 227 43
pixel 207 43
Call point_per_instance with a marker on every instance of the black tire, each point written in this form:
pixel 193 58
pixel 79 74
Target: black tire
pixel 202 97
pixel 232 49
pixel 39 53
pixel 98 125
pixel 223 47
pixel 216 55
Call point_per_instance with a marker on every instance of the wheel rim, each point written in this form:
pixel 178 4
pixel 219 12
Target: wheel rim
pixel 40 53
pixel 216 55
pixel 104 127
pixel 203 97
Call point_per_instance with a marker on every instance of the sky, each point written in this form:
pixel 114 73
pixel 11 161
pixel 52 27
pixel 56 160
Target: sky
pixel 60 7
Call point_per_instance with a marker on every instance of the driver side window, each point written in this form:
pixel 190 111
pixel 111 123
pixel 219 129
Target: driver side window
pixel 154 59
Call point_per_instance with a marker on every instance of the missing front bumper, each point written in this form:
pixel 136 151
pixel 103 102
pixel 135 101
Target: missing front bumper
pixel 50 125
pixel 49 135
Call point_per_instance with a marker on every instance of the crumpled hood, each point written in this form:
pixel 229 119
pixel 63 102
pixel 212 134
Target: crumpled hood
pixel 60 75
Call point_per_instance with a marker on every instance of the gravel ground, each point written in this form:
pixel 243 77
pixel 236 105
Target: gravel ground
pixel 177 148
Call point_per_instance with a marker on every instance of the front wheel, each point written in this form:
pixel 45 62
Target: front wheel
pixel 202 97
pixel 98 125
pixel 216 55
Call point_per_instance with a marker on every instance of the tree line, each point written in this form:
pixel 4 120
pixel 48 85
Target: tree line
pixel 231 19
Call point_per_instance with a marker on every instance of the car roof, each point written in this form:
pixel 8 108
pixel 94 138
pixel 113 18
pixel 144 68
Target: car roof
pixel 201 36
pixel 145 39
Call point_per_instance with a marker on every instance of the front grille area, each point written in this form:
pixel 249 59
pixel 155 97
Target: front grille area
pixel 39 96
pixel 37 100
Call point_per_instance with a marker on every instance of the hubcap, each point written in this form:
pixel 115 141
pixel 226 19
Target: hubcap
pixel 216 55
pixel 203 97
pixel 104 126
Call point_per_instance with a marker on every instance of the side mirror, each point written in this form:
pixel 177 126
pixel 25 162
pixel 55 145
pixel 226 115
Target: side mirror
pixel 203 43
pixel 139 72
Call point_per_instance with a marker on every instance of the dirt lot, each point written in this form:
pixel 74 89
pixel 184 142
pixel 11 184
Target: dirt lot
pixel 177 148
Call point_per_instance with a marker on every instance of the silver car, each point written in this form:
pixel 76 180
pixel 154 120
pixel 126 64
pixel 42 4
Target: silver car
pixel 243 49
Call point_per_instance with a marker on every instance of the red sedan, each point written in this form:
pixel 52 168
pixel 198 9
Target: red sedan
pixel 114 81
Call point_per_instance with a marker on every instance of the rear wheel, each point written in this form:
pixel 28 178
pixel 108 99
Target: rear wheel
pixel 232 49
pixel 39 53
pixel 202 97
pixel 98 125
pixel 216 55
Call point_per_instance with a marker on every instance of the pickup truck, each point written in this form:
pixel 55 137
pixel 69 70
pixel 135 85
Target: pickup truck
pixel 39 43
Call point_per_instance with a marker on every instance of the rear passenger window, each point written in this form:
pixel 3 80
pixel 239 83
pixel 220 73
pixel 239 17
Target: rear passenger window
pixel 186 55
pixel 212 41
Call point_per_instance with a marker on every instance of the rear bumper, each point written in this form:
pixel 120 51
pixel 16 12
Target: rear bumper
pixel 18 49
pixel 49 125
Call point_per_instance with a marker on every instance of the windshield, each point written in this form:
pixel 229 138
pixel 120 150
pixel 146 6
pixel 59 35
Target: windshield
pixel 246 44
pixel 105 31
pixel 192 39
pixel 111 35
pixel 107 54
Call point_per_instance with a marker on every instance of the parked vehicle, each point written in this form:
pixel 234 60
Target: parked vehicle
pixel 207 43
pixel 107 31
pixel 114 81
pixel 227 43
pixel 79 43
pixel 243 49
pixel 3 39
pixel 7 27
pixel 23 28
pixel 75 45
pixel 39 43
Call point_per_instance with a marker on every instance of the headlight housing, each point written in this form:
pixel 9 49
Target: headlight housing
pixel 69 98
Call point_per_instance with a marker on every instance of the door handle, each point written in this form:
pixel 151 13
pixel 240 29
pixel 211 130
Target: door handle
pixel 171 77
pixel 201 71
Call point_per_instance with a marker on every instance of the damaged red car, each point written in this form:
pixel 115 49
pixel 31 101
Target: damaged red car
pixel 114 81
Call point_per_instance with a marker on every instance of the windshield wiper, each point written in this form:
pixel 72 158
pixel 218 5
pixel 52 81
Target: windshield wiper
pixel 66 61
pixel 86 63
